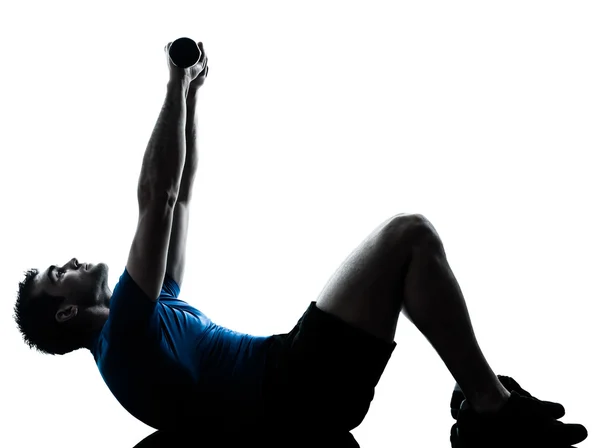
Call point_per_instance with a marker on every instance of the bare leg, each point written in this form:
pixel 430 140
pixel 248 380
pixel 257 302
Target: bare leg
pixel 434 303
pixel 402 266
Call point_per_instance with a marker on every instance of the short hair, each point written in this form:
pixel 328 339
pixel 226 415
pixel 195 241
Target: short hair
pixel 35 317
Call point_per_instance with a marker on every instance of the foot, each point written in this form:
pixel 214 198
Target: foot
pixel 555 409
pixel 522 422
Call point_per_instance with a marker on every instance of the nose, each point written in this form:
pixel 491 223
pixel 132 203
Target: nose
pixel 71 264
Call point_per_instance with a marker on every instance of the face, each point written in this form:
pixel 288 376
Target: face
pixel 83 284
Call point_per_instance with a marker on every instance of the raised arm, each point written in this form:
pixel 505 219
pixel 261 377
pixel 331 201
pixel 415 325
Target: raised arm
pixel 181 214
pixel 158 185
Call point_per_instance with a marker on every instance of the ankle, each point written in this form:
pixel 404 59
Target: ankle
pixel 490 403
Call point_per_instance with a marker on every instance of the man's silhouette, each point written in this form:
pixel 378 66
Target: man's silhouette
pixel 174 369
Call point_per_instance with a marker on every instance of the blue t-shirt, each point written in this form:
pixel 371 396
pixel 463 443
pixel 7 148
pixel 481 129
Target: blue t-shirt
pixel 166 362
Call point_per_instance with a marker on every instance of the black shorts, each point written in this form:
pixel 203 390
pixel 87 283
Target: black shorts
pixel 323 373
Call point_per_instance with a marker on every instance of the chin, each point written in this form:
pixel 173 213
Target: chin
pixel 99 273
pixel 103 267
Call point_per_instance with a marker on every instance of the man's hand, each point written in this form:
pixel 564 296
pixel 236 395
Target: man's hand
pixel 203 62
pixel 186 75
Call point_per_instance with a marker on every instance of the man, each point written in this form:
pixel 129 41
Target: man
pixel 171 367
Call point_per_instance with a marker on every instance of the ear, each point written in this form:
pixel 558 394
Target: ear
pixel 66 313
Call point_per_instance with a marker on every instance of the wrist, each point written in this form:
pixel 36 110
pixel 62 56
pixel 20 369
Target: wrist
pixel 179 85
pixel 192 92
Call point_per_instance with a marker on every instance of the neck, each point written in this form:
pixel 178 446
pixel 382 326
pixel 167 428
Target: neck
pixel 93 323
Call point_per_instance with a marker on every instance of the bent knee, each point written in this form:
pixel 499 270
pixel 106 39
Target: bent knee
pixel 413 228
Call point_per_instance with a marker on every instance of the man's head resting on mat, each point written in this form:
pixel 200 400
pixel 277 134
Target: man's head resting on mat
pixel 61 308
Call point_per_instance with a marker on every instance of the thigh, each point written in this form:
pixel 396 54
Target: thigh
pixel 324 373
pixel 366 290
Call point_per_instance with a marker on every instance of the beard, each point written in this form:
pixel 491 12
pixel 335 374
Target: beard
pixel 98 293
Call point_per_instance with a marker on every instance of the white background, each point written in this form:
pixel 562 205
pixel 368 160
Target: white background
pixel 318 121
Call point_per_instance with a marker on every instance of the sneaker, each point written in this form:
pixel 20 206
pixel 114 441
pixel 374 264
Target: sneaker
pixel 556 409
pixel 521 422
